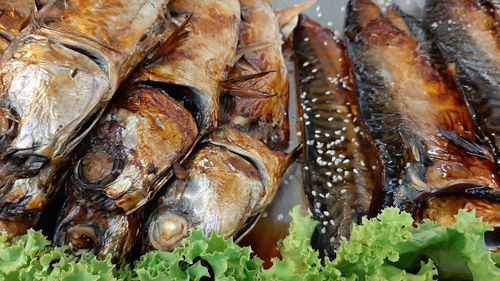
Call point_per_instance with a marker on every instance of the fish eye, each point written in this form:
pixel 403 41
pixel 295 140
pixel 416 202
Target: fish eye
pixel 98 167
pixel 81 238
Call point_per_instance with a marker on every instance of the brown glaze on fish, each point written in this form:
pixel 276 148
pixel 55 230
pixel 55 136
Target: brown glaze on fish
pixel 341 174
pixel 129 156
pixel 204 58
pixel 442 209
pixel 419 120
pixel 265 119
pixel 468 35
pixel 228 180
pixel 14 16
pixel 85 230
pixel 56 79
pixel 125 160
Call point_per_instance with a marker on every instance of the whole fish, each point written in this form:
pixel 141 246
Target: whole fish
pixel 56 80
pixel 231 178
pixel 265 119
pixel 341 177
pixel 149 126
pixel 467 34
pixel 418 119
pixel 233 175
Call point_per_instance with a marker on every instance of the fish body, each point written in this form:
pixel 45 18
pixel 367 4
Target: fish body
pixel 234 173
pixel 149 127
pixel 265 119
pixel 231 178
pixel 419 121
pixel 14 16
pixel 341 178
pixel 467 34
pixel 56 78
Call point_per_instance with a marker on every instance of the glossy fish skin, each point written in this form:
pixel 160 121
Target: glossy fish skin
pixel 126 158
pixel 265 119
pixel 203 59
pixel 14 16
pixel 418 120
pixel 467 34
pixel 228 180
pixel 74 71
pixel 84 230
pixel 341 178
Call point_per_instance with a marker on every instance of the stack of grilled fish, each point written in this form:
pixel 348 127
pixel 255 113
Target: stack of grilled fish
pixel 153 117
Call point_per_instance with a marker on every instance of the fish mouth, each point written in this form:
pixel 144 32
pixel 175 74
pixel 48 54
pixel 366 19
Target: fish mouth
pixel 167 230
pixel 81 239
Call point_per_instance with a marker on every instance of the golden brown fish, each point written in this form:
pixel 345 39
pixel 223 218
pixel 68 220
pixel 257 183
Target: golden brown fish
pixel 14 16
pixel 468 35
pixel 418 119
pixel 148 128
pixel 260 43
pixel 56 80
pixel 341 177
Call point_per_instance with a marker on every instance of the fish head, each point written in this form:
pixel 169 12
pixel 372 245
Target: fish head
pixel 50 97
pixel 85 230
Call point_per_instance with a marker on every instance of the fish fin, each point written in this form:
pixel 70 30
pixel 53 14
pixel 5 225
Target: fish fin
pixel 475 149
pixel 232 88
pixel 289 17
pixel 248 49
pixel 172 42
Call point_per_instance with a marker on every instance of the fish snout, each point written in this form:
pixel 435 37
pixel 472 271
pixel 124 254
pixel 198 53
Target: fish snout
pixel 167 230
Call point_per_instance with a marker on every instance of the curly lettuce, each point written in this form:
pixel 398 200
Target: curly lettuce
pixel 388 247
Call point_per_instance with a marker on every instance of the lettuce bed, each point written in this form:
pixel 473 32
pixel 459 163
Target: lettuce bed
pixel 384 248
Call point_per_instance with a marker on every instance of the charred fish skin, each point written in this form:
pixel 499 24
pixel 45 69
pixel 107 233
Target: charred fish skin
pixel 466 33
pixel 228 180
pixel 418 120
pixel 86 230
pixel 260 45
pixel 341 176
pixel 73 72
pixel 124 161
pixel 204 58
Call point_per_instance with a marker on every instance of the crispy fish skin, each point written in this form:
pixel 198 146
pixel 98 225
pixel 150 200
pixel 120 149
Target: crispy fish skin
pixel 203 59
pixel 73 68
pixel 103 234
pixel 265 119
pixel 227 181
pixel 419 120
pixel 468 35
pixel 341 179
pixel 123 162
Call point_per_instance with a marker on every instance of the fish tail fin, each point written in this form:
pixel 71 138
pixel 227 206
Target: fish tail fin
pixel 232 88
pixel 289 16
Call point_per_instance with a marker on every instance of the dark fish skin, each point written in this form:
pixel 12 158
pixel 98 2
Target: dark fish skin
pixel 265 119
pixel 468 35
pixel 418 120
pixel 343 175
pixel 128 156
pixel 85 230
pixel 56 80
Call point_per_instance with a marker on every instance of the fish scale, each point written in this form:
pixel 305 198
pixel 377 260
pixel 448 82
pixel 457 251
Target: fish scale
pixel 339 179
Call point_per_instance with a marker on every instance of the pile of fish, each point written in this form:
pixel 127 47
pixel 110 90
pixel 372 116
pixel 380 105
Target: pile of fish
pixel 137 121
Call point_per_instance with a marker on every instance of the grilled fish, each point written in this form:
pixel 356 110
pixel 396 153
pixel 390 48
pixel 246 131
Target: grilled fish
pixel 147 128
pixel 467 34
pixel 228 180
pixel 418 119
pixel 56 79
pixel 260 43
pixel 233 175
pixel 342 171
